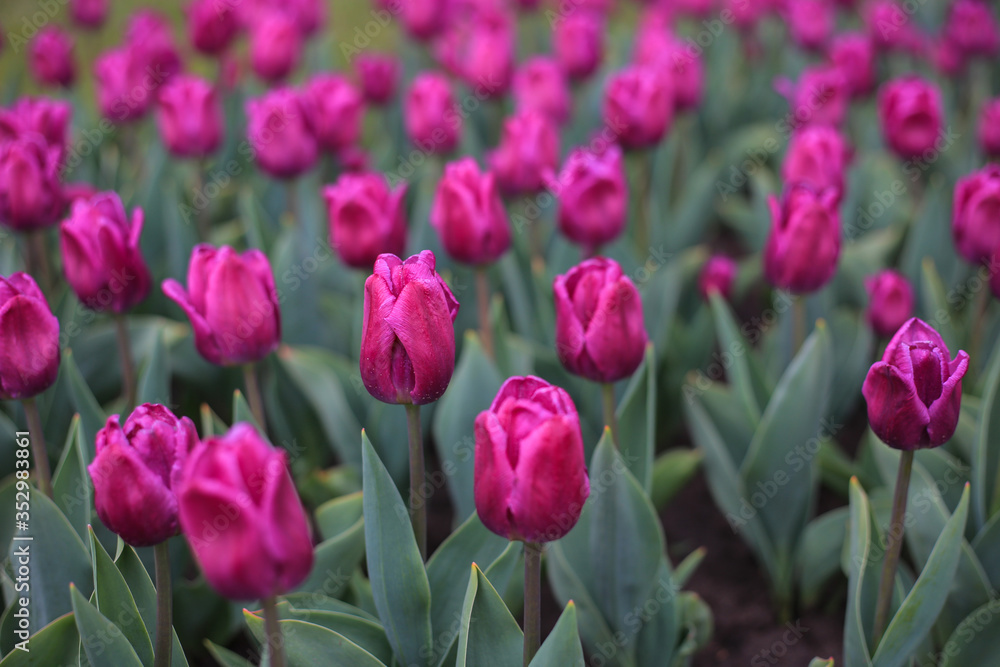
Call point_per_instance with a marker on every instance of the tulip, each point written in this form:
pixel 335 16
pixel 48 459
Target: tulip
pixel 379 76
pixel 528 152
pixel 51 57
pixel 819 98
pixel 972 28
pixel 190 117
pixel 275 45
pixel 432 121
pixel 49 118
pixel 282 141
pixel 150 37
pixel 530 476
pixel 811 22
pixel 915 392
pixel 335 110
pixel 124 86
pixel 817 156
pixel 29 339
pixel 853 55
pixel 975 224
pixel 88 13
pixel 989 127
pixel 804 245
pixel 469 215
pixel 578 43
pixel 946 57
pixel 911 115
pixel 593 196
pixel 661 49
pixel 639 105
pixel 540 85
pixel 232 303
pixel 366 218
pixel 488 53
pixel 137 470
pixel 889 25
pixel 600 333
pixel 717 275
pixel 212 25
pixel 424 18
pixel 242 516
pixel 309 14
pixel 30 193
pixel 890 302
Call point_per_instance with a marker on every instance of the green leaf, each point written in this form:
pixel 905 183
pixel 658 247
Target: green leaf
pixel 975 642
pixel 92 417
pixel 819 556
pixel 489 635
pixel 985 455
pixel 860 566
pixel 637 421
pixel 243 413
pixel 335 561
pixel 399 582
pixel 366 632
pixel 55 644
pixel 934 299
pixel 71 483
pixel 339 515
pixel 562 647
pixel 154 379
pixel 103 642
pixel 732 344
pixel 308 644
pixel 987 548
pixel 672 471
pixel 657 617
pixel 226 658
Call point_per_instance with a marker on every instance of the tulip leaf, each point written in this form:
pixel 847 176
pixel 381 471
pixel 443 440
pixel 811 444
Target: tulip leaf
pixel 819 556
pixel 91 416
pixel 657 620
pixel 226 658
pixel 860 566
pixel 103 642
pixel 399 582
pixel 735 347
pixel 985 455
pixel 335 561
pixel 154 379
pixel 637 421
pixel 974 643
pixel 934 302
pixel 308 644
pixel 339 515
pixel 56 644
pixel 562 647
pixel 661 294
pixel 987 548
pixel 71 484
pixel 920 608
pixel 489 635
pixel 365 632
pixel 672 471
pixel 732 422
pixel 472 389
pixel 243 413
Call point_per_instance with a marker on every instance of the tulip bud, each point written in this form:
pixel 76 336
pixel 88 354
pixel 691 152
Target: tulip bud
pixel 819 98
pixel 242 516
pixel 915 393
pixel 469 215
pixel 49 118
pixel 424 18
pixel 911 115
pixel 972 28
pixel 308 14
pixel 232 303
pixel 136 473
pixel 282 141
pixel 540 85
pixel 975 224
pixel 600 332
pixel 989 127
pixel 804 245
pixel 488 53
pixel 530 476
pixel 853 55
pixel 817 156
pixel 379 76
pixel 212 25
pixel 717 275
pixel 639 105
pixel 335 110
pixel 275 45
pixel 660 49
pixel 150 37
pixel 123 91
pixel 88 13
pixel 30 192
pixel 528 152
pixel 889 25
pixel 578 42
pixel 51 57
pixel 408 336
pixel 431 121
pixel 946 57
pixel 890 302
pixel 29 339
pixel 593 196
pixel 189 116
pixel 366 219
pixel 811 22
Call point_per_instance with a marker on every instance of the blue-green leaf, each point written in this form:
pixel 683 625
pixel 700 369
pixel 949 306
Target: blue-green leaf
pixel 562 647
pixel 103 642
pixel 55 644
pixel 114 600
pixel 489 635
pixel 308 644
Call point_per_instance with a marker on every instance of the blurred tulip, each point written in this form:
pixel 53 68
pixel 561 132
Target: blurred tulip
pixel 408 335
pixel 530 475
pixel 639 105
pixel 137 470
pixel 232 303
pixel 150 38
pixel 911 115
pixel 47 117
pixel 51 57
pixel 915 393
pixel 275 45
pixel 853 55
pixel 189 116
pixel 989 127
pixel 946 57
pixel 88 13
pixel 540 85
pixel 811 22
pixel 125 86
pixel 975 221
pixel 310 15
pixel 469 215
pixel 29 339
pixel 335 110
pixel 281 139
pixel 804 244
pixel 593 196
pixel 424 18
pixel 30 191
pixel 600 331
pixel 820 97
pixel 661 49
pixel 242 517
pixel 717 275
pixel 890 301
pixel 366 218
pixel 817 156
pixel 578 43
pixel 212 25
pixel 379 76
pixel 889 25
pixel 972 28
pixel 481 51
pixel 528 152
pixel 432 119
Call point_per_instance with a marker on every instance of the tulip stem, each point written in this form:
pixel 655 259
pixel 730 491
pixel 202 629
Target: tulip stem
pixel 38 448
pixel 485 322
pixel 275 643
pixel 254 396
pixel 532 600
pixel 799 324
pixel 894 545
pixel 38 261
pixel 201 215
pixel 610 419
pixel 418 505
pixel 128 368
pixel 164 605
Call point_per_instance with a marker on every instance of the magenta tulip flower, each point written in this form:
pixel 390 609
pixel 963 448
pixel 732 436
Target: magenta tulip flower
pixel 89 14
pixel 578 43
pixel 189 116
pixel 30 192
pixel 29 339
pixel 469 215
pixel 593 196
pixel 51 57
pixel 540 85
pixel 975 223
pixel 639 105
pixel 212 25
pixel 804 245
pixel 817 156
pixel 430 114
pixel 379 76
pixel 366 218
pixel 911 116
pixel 717 275
pixel 527 154
pixel 275 45
pixel 335 110
pixel 989 127
pixel 890 301
pixel 281 139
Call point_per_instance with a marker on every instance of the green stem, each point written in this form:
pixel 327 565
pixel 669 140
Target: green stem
pixel 38 261
pixel 644 189
pixel 485 323
pixel 894 545
pixel 164 604
pixel 532 600
pixel 290 201
pixel 38 448
pixel 275 643
pixel 128 368
pixel 418 505
pixel 254 396
pixel 201 215
pixel 978 324
pixel 608 394
pixel 799 323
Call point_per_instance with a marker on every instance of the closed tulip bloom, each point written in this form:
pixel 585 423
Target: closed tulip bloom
pixel 811 22
pixel 242 517
pixel 30 192
pixel 989 127
pixel 820 97
pixel 189 116
pixel 275 45
pixel 212 25
pixel 51 57
pixel 578 43
pixel 88 13
pixel 889 25
pixel 530 475
pixel 488 55
pixel 540 85
pixel 639 105
pixel 424 18
pixel 335 110
pixel 149 35
pixel 29 339
pixel 310 15
pixel 123 85
pixel 366 218
pixel 232 303
pixel 972 28
pixel 528 152
pixel 136 473
pixel 915 393
pixel 469 215
pixel 408 335
pixel 44 116
pixel 911 115
pixel 593 196
pixel 660 49
pixel 817 156
pixel 804 245
pixel 854 55
pixel 430 114
pixel 379 76
pixel 890 301
pixel 975 222
pixel 717 275
pixel 600 332
pixel 282 140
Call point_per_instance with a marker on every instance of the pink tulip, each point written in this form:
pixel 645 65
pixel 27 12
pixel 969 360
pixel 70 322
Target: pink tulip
pixel 366 218
pixel 639 105
pixel 432 118
pixel 281 139
pixel 989 127
pixel 593 196
pixel 818 156
pixel 29 339
pixel 854 56
pixel 804 245
pixel 51 57
pixel 578 43
pixel 275 45
pixel 911 115
pixel 528 152
pixel 335 110
pixel 540 85
pixel 30 192
pixel 379 76
pixel 190 117
pixel 717 275
pixel 975 224
pixel 88 13
pixel 212 25
pixel 890 301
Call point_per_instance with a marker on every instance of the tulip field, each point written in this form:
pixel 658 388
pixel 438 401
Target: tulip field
pixel 499 333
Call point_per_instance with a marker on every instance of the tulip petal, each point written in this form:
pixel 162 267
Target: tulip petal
pixel 286 529
pixel 569 330
pixel 378 338
pixel 913 330
pixel 29 347
pixel 493 477
pixel 421 320
pixel 204 340
pixel 895 412
pixel 944 412
pixel 616 336
pixel 239 310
